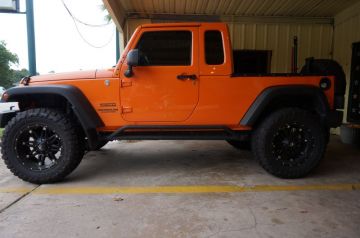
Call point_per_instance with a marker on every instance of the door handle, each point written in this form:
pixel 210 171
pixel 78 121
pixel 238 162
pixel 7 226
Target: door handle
pixel 186 77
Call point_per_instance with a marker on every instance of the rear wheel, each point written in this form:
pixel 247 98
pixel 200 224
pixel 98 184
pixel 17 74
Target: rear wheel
pixel 41 146
pixel 289 143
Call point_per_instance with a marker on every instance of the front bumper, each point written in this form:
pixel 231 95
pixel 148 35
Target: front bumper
pixel 7 111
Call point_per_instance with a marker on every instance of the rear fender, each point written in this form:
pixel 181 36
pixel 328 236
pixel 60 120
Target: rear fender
pixel 287 96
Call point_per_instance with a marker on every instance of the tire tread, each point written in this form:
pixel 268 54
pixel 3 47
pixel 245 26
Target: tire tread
pixel 265 127
pixel 68 127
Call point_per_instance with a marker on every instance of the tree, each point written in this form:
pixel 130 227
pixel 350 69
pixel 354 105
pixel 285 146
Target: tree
pixel 6 60
pixel 8 76
pixel 107 17
pixel 18 75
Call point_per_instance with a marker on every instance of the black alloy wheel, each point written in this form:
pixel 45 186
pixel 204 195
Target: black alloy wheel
pixel 38 147
pixel 42 145
pixel 290 142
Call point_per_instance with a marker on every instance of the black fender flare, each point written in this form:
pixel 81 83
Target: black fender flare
pixel 266 97
pixel 86 114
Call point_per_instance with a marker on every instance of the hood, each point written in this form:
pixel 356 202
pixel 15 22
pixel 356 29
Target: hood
pixel 88 74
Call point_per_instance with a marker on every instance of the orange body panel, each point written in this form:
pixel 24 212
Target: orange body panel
pixel 154 95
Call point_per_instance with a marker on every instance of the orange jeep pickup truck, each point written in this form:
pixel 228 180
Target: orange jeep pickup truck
pixel 173 82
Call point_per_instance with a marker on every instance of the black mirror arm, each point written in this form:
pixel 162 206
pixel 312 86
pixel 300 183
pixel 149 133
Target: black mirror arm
pixel 132 59
pixel 129 72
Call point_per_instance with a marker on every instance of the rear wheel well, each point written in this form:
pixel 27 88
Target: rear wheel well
pixel 306 102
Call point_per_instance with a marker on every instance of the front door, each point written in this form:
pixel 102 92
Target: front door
pixel 165 87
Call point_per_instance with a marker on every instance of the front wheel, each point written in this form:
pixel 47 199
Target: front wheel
pixel 289 143
pixel 41 146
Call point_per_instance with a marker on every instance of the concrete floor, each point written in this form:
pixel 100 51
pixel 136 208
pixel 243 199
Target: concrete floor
pixel 92 201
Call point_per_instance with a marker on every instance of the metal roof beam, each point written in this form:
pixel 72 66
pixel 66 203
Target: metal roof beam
pixel 274 19
pixel 174 17
pixel 159 17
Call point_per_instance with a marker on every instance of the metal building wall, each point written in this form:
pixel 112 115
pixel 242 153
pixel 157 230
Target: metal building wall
pixel 314 40
pixel 131 25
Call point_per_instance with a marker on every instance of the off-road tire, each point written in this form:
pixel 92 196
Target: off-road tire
pixel 70 154
pixel 303 150
pixel 240 144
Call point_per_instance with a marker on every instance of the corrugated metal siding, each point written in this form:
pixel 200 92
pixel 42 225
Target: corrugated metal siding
pixel 299 8
pixel 314 40
pixel 131 25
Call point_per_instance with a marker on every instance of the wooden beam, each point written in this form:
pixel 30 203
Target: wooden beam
pixel 117 13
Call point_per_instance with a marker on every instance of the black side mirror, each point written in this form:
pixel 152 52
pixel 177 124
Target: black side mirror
pixel 132 59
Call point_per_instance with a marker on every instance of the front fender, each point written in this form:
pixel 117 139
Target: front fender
pixel 84 111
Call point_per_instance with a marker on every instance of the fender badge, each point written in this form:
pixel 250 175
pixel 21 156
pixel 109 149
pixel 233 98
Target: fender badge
pixel 107 83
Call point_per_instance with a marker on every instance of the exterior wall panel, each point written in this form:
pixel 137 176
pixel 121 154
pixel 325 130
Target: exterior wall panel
pixel 131 25
pixel 314 40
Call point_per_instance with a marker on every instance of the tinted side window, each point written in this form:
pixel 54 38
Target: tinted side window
pixel 214 50
pixel 165 48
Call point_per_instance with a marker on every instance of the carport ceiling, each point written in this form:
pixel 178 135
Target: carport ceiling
pixel 297 8
pixel 169 9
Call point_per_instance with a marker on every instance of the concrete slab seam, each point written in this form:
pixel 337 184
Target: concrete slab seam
pixel 25 192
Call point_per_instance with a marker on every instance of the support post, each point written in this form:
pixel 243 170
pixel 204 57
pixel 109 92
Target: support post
pixel 294 63
pixel 117 39
pixel 31 36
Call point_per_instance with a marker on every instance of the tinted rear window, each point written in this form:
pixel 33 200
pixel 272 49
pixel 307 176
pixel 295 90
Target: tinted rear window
pixel 214 50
